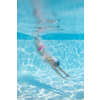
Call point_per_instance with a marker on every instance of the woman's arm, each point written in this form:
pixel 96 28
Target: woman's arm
pixel 64 72
pixel 52 64
pixel 58 72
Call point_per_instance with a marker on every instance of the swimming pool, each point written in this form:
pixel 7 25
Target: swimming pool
pixel 37 80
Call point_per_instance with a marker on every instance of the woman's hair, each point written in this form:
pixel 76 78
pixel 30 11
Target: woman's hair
pixel 56 64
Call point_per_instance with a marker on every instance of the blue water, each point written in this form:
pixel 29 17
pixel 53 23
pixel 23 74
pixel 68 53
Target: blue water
pixel 69 13
pixel 37 80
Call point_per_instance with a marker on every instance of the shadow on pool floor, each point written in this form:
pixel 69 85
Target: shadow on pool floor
pixel 31 80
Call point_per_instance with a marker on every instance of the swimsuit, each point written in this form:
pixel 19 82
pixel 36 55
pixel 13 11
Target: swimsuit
pixel 40 48
pixel 56 63
pixel 49 61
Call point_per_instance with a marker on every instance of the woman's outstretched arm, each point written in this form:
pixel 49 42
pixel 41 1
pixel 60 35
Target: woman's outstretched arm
pixel 64 72
pixel 58 72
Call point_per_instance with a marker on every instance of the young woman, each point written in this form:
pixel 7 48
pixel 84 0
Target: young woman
pixel 51 60
pixel 40 48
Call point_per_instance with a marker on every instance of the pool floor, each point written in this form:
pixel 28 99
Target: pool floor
pixel 37 80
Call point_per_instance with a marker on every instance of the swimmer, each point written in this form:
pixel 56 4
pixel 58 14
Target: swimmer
pixel 52 61
pixel 40 48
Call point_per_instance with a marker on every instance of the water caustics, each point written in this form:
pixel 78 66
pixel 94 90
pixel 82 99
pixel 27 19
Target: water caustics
pixel 37 80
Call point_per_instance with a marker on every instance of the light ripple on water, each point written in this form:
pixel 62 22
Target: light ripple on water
pixel 71 61
pixel 59 86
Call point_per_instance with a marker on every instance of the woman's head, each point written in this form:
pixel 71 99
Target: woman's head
pixel 57 64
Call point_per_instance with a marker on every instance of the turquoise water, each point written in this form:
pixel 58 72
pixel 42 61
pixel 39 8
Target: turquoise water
pixel 37 80
pixel 69 13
